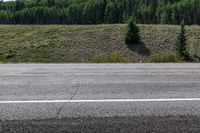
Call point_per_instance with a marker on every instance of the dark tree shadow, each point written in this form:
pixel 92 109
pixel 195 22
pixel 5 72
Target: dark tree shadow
pixel 140 48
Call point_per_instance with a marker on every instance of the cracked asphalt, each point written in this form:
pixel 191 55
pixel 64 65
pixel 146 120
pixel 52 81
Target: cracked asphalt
pixel 26 82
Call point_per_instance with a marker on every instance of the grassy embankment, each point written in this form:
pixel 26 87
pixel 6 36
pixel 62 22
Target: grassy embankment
pixel 85 44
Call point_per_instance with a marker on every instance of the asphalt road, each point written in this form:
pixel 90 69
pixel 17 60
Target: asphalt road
pixel 99 98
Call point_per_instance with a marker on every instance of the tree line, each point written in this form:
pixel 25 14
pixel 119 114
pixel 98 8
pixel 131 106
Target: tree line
pixel 99 11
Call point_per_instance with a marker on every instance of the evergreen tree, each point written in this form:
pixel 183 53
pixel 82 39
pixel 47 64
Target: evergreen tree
pixel 110 13
pixel 19 5
pixel 51 3
pixel 100 11
pixel 181 45
pixel 132 32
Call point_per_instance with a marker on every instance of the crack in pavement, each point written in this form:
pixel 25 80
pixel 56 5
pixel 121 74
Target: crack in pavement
pixel 26 85
pixel 59 112
pixel 76 86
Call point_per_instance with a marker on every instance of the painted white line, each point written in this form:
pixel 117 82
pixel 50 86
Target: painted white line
pixel 102 101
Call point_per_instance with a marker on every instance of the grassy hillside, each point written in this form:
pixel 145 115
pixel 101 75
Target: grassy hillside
pixel 61 43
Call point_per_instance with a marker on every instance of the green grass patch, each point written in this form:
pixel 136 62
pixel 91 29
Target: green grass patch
pixel 166 57
pixel 2 59
pixel 115 58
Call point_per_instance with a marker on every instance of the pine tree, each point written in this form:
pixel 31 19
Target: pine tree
pixel 181 44
pixel 132 32
pixel 18 5
pixel 51 3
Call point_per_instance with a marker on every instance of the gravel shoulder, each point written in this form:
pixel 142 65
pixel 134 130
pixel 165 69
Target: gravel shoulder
pixel 141 124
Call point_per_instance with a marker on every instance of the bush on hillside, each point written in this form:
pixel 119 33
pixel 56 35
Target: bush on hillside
pixel 113 58
pixel 181 45
pixel 2 59
pixel 132 32
pixel 166 57
pixel 194 50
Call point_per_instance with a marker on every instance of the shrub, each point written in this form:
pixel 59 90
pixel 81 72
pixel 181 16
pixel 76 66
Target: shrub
pixel 181 45
pixel 194 50
pixel 113 58
pixel 132 32
pixel 166 57
pixel 2 59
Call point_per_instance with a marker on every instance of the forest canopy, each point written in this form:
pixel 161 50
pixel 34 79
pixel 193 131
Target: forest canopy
pixel 99 11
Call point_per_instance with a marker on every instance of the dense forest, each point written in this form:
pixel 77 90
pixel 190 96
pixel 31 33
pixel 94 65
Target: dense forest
pixel 99 11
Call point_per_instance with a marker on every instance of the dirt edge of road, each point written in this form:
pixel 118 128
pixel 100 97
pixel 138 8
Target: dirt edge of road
pixel 106 124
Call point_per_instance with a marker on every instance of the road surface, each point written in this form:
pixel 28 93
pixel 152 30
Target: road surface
pixel 66 98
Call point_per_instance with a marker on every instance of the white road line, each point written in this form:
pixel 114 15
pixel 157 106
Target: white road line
pixel 102 101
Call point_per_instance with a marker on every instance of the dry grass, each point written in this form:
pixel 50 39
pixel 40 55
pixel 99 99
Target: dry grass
pixel 166 57
pixel 76 43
